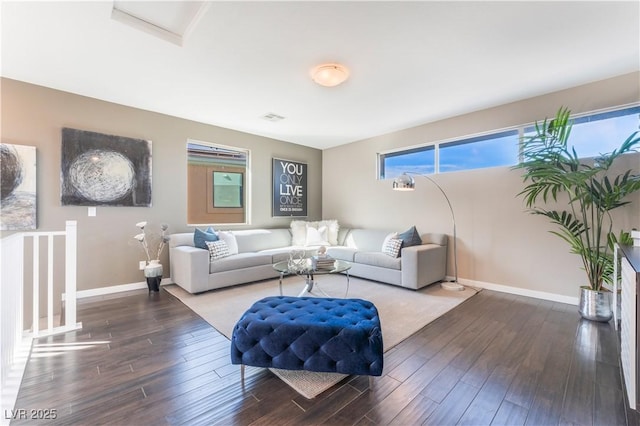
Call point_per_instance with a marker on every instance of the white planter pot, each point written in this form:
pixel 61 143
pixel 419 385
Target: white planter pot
pixel 153 274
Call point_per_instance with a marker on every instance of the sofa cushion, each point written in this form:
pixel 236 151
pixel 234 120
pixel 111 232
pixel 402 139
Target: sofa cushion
pixel 410 237
pixel 366 239
pixel 282 253
pixel 377 259
pixel 253 240
pixel 239 261
pixel 200 238
pixel 342 253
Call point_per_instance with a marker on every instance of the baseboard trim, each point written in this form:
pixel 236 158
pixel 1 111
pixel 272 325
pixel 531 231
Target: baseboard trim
pixel 472 283
pixel 521 291
pixel 102 291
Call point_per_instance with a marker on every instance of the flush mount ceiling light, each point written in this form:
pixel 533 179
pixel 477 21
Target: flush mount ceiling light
pixel 329 75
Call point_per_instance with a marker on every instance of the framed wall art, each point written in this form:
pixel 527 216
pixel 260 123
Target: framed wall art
pixel 99 169
pixel 18 205
pixel 289 188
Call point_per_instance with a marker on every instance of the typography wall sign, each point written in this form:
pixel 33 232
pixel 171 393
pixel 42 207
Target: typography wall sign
pixel 289 188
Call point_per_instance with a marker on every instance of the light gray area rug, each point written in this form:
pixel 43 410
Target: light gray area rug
pixel 402 313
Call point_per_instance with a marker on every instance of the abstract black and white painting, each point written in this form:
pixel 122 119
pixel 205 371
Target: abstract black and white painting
pixel 104 170
pixel 18 208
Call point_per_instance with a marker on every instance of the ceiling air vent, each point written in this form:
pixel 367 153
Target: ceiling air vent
pixel 270 116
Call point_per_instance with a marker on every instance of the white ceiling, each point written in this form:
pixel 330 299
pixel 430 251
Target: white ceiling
pixel 410 62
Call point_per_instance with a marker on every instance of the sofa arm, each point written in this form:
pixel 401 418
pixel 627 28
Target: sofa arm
pixel 190 268
pixel 423 264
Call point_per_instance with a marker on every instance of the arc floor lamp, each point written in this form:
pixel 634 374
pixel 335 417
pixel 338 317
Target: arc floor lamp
pixel 405 182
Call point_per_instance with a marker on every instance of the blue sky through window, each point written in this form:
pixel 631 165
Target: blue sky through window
pixel 480 153
pixel 591 135
pixel 418 161
pixel 600 134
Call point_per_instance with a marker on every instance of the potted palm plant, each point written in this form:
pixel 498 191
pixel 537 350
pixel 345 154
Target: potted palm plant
pixel 577 195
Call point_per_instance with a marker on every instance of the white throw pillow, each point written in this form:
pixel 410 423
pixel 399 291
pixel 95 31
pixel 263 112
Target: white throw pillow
pixel 332 230
pixel 298 232
pixel 392 247
pixel 217 249
pixel 316 236
pixel 230 239
pixel 387 238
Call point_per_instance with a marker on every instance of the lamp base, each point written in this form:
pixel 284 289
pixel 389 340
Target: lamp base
pixel 452 286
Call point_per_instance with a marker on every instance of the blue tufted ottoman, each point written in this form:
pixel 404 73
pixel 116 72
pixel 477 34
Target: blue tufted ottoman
pixel 310 333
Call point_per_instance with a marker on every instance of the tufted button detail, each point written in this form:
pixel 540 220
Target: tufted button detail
pixel 316 334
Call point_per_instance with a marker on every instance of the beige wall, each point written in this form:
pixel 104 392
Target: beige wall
pixel 108 254
pixel 498 242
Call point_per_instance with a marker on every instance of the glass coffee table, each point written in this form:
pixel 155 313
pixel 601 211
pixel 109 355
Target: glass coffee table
pixel 305 268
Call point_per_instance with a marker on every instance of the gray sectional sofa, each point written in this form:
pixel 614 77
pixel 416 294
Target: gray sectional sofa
pixel 258 249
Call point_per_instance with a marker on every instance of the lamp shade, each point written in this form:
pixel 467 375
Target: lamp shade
pixel 329 75
pixel 404 182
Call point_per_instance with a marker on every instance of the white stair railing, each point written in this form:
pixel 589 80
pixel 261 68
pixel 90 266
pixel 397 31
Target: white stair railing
pixel 14 348
pixel 70 234
pixel 15 339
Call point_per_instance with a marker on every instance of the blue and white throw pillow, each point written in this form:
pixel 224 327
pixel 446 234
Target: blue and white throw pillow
pixel 392 247
pixel 217 249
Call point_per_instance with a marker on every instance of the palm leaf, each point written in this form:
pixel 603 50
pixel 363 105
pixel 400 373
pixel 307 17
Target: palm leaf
pixel 551 168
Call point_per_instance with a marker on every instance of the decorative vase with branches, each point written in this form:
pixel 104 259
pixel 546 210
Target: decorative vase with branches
pixel 147 241
pixel 153 270
pixel 590 187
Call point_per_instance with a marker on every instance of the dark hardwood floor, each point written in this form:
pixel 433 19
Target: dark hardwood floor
pixel 496 359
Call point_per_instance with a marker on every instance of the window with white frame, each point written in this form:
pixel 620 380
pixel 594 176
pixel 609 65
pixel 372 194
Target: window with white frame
pixel 498 149
pixel 592 134
pixel 419 160
pixel 216 184
pixel 600 133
